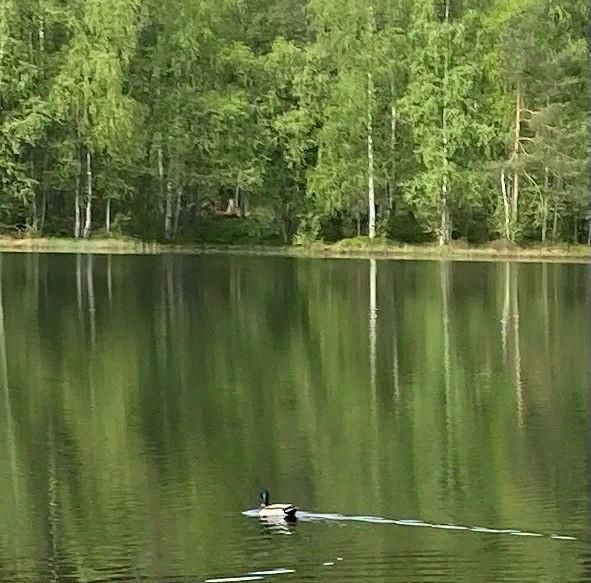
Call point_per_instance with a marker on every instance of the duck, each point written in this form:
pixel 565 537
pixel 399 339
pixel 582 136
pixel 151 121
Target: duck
pixel 267 510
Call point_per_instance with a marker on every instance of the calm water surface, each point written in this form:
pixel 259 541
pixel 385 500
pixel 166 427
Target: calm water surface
pixel 145 400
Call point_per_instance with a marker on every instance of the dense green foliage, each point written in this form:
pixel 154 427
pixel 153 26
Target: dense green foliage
pixel 464 118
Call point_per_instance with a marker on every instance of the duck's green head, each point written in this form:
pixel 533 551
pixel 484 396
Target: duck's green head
pixel 264 495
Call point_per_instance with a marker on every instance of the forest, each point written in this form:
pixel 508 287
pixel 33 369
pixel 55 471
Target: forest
pixel 289 121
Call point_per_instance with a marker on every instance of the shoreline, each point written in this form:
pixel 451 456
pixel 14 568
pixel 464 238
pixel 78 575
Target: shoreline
pixel 347 249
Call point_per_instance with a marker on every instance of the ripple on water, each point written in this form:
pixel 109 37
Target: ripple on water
pixel 317 516
pixel 232 579
pixel 272 572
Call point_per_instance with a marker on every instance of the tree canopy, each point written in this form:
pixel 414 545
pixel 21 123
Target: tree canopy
pixel 295 120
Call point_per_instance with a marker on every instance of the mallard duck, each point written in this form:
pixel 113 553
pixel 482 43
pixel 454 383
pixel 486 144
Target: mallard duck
pixel 286 511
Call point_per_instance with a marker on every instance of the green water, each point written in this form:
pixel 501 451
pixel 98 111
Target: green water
pixel 145 400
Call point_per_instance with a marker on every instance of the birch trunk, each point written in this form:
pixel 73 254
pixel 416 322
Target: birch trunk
pixel 555 223
pixel 88 219
pixel 177 211
pixel 445 228
pixel 237 192
pixel 545 203
pixel 370 161
pixel 41 35
pixel 160 171
pixel 168 212
pixel 392 177
pixel 77 220
pixel 108 215
pixel 34 215
pixel 515 157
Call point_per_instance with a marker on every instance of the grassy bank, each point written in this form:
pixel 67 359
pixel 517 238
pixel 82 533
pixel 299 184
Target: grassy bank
pixel 360 247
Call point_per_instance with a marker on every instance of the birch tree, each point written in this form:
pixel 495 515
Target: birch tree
pixel 89 94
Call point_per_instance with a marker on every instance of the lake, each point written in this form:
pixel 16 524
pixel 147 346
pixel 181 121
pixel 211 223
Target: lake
pixel 430 419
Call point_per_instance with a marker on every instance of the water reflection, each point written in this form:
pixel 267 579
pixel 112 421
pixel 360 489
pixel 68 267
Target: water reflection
pixel 9 423
pixel 373 319
pixel 79 284
pixel 90 292
pixel 145 399
pixel 109 279
pixel 517 345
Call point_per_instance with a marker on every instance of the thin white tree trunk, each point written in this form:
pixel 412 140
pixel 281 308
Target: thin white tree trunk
pixel 392 180
pixel 555 223
pixel 545 203
pixel 88 219
pixel 108 215
pixel 237 192
pixel 444 228
pixel 370 161
pixel 177 210
pixel 371 199
pixel 77 203
pixel 168 212
pixel 41 34
pixel 34 215
pixel 160 170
